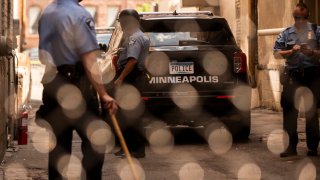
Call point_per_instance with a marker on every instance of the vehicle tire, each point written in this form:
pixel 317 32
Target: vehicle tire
pixel 239 125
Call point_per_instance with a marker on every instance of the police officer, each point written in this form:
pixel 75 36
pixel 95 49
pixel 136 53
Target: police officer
pixel 71 83
pixel 299 45
pixel 135 47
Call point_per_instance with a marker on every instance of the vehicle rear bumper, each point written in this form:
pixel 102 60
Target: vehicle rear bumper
pixel 207 108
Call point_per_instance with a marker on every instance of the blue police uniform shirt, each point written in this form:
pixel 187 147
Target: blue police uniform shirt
pixel 66 32
pixel 135 46
pixel 289 37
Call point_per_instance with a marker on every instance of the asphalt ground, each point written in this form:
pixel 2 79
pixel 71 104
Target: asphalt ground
pixel 190 156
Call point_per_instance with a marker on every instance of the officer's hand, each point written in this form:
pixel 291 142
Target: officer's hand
pixel 110 104
pixel 296 48
pixel 118 82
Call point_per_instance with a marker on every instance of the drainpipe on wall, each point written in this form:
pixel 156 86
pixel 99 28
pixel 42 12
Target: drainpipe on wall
pixel 253 42
pixel 22 24
pixel 270 32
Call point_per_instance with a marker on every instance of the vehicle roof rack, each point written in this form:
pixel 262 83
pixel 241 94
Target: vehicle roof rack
pixel 175 13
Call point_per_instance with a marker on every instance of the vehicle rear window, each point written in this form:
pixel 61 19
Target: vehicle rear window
pixel 187 32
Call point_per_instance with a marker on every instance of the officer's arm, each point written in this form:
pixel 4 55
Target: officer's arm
pixel 128 68
pixel 281 50
pixel 94 75
pixel 133 50
pixel 315 53
pixel 280 54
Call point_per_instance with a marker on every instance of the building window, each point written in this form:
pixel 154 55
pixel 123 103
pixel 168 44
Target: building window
pixel 34 15
pixel 93 11
pixel 112 14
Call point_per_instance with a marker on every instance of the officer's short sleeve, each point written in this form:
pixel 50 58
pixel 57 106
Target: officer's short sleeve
pixel 280 42
pixel 134 48
pixel 318 37
pixel 85 36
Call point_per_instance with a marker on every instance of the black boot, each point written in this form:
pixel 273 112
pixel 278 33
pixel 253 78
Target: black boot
pixel 138 154
pixel 120 154
pixel 312 153
pixel 289 152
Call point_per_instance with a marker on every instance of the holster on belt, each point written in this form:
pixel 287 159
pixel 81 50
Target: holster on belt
pixel 72 73
pixel 57 77
pixel 76 75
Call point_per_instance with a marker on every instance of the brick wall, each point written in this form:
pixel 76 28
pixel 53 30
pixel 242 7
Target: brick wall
pixel 31 40
pixel 3 119
pixel 6 77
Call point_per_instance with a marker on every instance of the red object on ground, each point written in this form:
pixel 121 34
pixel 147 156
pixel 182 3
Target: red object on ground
pixel 23 129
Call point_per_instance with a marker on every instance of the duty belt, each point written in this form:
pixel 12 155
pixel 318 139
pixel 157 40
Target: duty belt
pixel 71 73
pixel 302 72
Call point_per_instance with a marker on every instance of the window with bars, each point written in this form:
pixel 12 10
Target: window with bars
pixel 34 15
pixel 112 14
pixel 93 11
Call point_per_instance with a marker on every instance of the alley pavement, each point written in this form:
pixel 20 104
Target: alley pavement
pixel 190 157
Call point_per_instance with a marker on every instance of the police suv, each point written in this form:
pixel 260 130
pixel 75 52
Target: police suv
pixel 195 73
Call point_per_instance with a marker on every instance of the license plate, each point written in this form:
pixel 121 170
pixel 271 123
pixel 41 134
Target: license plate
pixel 181 68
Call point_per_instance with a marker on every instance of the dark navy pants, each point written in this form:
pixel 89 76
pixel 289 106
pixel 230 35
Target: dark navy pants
pixel 63 126
pixel 132 125
pixel 305 81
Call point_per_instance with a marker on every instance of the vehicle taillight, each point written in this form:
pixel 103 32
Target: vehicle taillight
pixel 225 97
pixel 240 62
